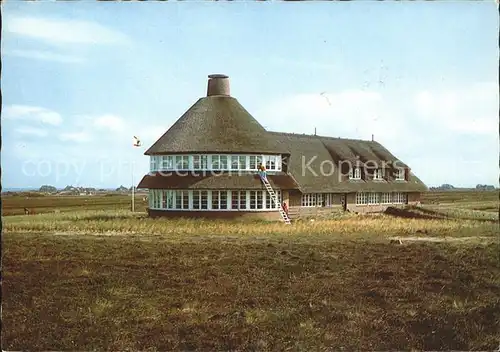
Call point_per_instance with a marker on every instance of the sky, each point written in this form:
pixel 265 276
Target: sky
pixel 80 79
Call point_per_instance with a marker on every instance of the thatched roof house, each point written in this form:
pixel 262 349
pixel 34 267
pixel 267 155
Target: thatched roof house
pixel 206 165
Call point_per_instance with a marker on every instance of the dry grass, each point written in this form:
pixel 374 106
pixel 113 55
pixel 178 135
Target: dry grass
pixel 40 203
pixel 124 293
pixel 112 280
pixel 352 226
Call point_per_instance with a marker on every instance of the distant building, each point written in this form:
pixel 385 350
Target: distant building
pixel 206 165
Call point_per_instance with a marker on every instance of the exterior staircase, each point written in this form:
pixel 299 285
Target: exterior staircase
pixel 271 192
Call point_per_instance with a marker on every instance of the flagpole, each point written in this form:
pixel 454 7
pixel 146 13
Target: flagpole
pixel 133 193
pixel 136 143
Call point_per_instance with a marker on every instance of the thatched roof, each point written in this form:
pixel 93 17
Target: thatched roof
pixel 224 180
pixel 329 151
pixel 218 123
pixel 215 124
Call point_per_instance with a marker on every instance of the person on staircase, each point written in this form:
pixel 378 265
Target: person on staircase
pixel 285 208
pixel 262 172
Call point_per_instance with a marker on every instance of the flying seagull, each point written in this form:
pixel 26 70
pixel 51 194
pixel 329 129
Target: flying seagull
pixel 323 95
pixel 137 142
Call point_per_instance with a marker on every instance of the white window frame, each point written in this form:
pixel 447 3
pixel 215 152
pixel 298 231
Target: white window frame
pixel 329 199
pixel 309 200
pixel 202 200
pixel 361 198
pixel 378 175
pixel 268 202
pixel 355 173
pixel 400 198
pixel 400 175
pixel 153 163
pixel 220 162
pixel 373 198
pixel 222 204
pixel 386 198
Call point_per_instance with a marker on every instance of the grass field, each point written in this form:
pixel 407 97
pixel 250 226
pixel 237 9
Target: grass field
pixel 96 277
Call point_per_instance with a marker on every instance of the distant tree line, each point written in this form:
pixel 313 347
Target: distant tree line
pixel 73 189
pixel 485 187
pixel 447 187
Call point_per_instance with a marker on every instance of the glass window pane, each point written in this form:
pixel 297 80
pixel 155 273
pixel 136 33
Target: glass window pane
pixel 223 199
pixel 223 162
pixel 243 199
pixel 196 199
pixel 215 199
pixel 204 199
pixel 234 199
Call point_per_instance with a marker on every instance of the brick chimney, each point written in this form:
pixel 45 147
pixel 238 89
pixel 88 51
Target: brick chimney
pixel 218 85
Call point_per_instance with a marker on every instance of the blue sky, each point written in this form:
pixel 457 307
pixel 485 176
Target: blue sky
pixel 81 78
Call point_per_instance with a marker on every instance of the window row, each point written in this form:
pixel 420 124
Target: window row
pixel 355 174
pixel 317 200
pixel 214 162
pixel 381 198
pixel 213 200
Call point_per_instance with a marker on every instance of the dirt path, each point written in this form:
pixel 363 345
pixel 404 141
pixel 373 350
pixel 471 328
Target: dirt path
pixel 445 239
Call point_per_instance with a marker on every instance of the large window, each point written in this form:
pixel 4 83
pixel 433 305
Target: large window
pixel 316 199
pixel 238 200
pixel 153 163
pixel 154 199
pixel 361 198
pixel 219 200
pixel 255 161
pixel 200 162
pixel 271 202
pixel 270 162
pixel 200 200
pixel 399 198
pixel 381 198
pixel 238 162
pixel 182 162
pixel 214 162
pixel 386 198
pixel 256 200
pixel 167 162
pixel 167 200
pixel 219 162
pixel 373 198
pixel 212 200
pixel 309 200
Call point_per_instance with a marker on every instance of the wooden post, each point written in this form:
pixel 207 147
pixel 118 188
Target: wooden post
pixel 133 193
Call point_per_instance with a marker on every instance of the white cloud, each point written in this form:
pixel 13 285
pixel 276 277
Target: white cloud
pixel 111 122
pixel 59 31
pixel 451 127
pixel 38 132
pixel 150 134
pixel 32 113
pixel 45 56
pixel 337 114
pixel 78 137
pixel 423 103
pixel 471 110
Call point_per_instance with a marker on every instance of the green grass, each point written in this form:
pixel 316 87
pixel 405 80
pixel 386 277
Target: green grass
pixel 221 293
pixel 15 204
pixel 102 278
pixel 433 197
